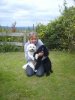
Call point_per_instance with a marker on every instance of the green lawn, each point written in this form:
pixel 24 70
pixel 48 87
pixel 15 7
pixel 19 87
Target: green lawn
pixel 15 85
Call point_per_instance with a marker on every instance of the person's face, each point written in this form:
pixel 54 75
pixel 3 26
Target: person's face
pixel 33 39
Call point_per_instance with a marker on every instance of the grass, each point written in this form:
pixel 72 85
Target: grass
pixel 15 85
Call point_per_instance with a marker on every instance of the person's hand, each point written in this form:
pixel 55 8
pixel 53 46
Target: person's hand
pixel 40 54
pixel 36 56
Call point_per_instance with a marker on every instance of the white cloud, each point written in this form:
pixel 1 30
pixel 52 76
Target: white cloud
pixel 29 12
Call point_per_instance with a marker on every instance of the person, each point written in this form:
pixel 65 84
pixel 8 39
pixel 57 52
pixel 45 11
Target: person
pixel 33 38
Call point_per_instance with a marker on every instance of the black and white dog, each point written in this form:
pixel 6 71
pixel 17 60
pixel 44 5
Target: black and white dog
pixel 44 60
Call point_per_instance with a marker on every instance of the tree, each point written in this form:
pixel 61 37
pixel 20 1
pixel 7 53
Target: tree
pixel 40 28
pixel 60 33
pixel 69 23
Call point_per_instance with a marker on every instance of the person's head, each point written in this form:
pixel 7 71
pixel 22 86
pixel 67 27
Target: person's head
pixel 33 38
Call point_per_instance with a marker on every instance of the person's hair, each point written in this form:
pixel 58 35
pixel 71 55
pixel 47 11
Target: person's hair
pixel 31 34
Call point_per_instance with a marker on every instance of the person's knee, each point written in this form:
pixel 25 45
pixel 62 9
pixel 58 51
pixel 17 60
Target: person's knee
pixel 40 71
pixel 39 74
pixel 29 71
pixel 29 74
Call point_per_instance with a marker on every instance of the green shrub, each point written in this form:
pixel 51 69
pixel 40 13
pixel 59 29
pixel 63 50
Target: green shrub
pixel 10 48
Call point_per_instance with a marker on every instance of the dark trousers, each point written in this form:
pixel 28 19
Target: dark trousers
pixel 30 71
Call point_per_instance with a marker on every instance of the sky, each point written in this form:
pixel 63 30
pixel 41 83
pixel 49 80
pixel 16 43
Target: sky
pixel 29 12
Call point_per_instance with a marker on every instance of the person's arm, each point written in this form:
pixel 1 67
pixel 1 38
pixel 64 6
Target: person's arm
pixel 26 52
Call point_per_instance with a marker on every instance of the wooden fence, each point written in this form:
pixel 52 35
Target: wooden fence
pixel 14 35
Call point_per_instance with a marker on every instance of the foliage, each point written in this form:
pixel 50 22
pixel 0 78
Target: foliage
pixel 11 39
pixel 69 23
pixel 60 33
pixel 10 48
pixel 41 30
pixel 6 47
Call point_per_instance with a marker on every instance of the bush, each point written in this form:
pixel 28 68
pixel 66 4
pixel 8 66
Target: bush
pixel 10 48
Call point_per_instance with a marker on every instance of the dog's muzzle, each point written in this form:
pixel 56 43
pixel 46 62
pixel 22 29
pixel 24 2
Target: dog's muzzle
pixel 32 50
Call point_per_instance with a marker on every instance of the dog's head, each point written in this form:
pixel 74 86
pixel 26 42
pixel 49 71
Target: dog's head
pixel 31 48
